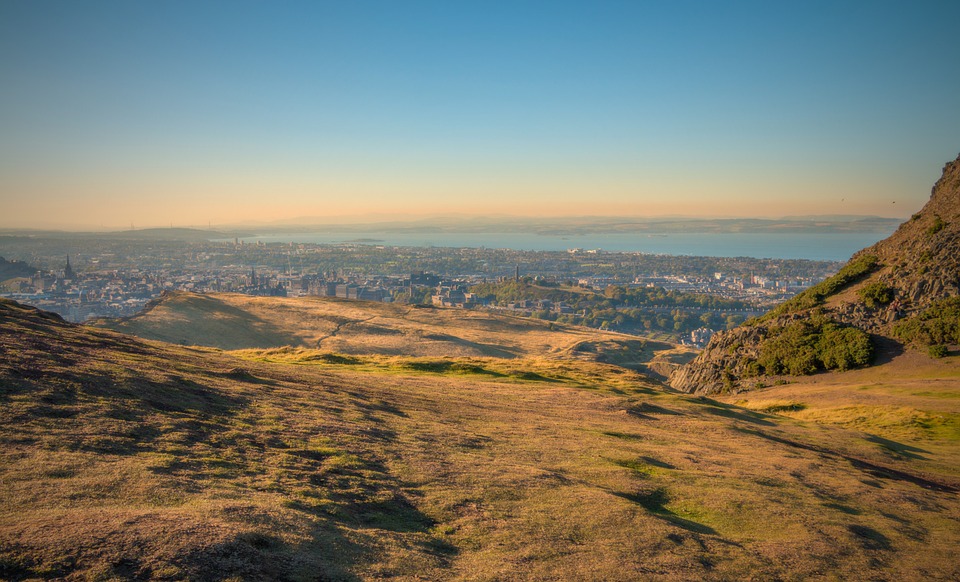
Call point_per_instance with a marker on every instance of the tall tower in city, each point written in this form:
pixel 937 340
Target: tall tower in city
pixel 68 270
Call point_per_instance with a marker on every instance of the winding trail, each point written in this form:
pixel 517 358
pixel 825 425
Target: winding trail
pixel 340 326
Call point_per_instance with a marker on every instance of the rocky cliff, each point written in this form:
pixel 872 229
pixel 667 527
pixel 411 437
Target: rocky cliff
pixel 12 269
pixel 837 324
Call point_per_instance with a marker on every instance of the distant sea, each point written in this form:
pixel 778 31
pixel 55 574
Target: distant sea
pixel 815 246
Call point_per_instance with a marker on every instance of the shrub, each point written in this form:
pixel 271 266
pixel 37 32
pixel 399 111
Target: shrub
pixel 842 348
pixel 728 380
pixel 804 347
pixel 752 369
pixel 790 350
pixel 938 324
pixel 938 351
pixel 876 294
pixel 937 225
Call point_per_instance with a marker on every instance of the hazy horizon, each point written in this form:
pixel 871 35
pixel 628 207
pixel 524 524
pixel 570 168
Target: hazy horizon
pixel 156 114
pixel 453 222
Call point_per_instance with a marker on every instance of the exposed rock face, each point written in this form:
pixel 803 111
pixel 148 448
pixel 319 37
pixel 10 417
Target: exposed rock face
pixel 916 265
pixel 11 269
pixel 921 260
pixel 718 366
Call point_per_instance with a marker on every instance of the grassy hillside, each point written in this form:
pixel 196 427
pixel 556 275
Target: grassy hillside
pixel 232 321
pixel 123 458
pixel 910 406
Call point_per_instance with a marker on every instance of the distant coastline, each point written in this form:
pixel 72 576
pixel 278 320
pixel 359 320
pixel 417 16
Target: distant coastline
pixel 830 238
pixel 835 246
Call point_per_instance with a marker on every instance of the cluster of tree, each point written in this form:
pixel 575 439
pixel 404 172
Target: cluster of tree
pixel 937 325
pixel 805 347
pixel 640 310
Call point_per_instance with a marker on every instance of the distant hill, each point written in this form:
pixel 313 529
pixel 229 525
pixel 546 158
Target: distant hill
pixel 902 290
pixel 583 225
pixel 233 321
pixel 129 459
pixel 13 269
pixel 173 234
pixel 176 234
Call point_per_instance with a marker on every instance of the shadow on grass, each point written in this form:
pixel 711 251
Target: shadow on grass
pixel 204 431
pixel 490 350
pixel 366 500
pixel 532 377
pixel 733 412
pixel 900 449
pixel 627 436
pixel 862 465
pixel 450 367
pixel 648 411
pixel 885 350
pixel 657 463
pixel 843 508
pixel 655 501
pixel 241 375
pixel 870 538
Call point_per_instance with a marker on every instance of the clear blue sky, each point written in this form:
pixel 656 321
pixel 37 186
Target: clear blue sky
pixel 197 112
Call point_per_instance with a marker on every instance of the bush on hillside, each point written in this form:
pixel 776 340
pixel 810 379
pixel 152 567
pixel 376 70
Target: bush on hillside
pixel 938 351
pixel 876 294
pixel 938 324
pixel 937 225
pixel 805 347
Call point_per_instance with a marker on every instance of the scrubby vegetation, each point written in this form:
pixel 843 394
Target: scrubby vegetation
pixel 814 296
pixel 805 347
pixel 938 324
pixel 938 351
pixel 876 294
pixel 937 226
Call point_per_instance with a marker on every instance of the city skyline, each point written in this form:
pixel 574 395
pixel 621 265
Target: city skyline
pixel 172 113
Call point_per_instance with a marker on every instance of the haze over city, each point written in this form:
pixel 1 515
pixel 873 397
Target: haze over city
pixel 179 113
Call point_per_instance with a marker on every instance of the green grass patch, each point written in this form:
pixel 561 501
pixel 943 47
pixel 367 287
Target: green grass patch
pixel 773 406
pixel 637 467
pixel 891 422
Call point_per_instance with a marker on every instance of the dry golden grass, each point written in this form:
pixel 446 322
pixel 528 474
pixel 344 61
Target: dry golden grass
pixel 233 321
pixel 122 459
pixel 908 407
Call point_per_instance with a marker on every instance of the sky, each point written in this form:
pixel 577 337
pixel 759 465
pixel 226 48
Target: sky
pixel 141 113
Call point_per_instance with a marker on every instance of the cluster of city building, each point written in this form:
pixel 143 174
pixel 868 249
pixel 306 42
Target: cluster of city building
pixel 119 279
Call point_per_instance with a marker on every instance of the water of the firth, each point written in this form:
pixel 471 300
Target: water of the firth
pixel 816 246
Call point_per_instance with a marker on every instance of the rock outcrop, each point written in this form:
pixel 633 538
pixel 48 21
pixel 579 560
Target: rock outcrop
pixel 899 277
pixel 12 269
